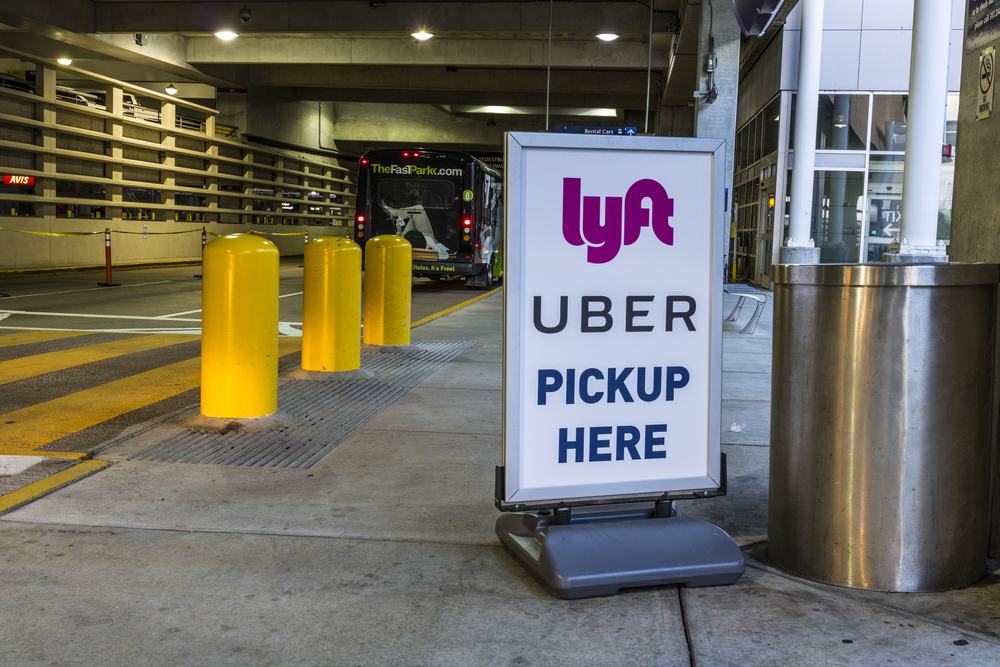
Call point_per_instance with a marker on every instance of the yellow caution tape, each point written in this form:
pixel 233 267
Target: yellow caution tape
pixel 25 231
pixel 186 231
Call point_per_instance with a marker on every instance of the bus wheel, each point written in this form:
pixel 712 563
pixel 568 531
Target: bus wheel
pixel 488 275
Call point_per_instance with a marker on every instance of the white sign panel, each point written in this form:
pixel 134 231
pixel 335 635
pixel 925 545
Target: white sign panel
pixel 984 103
pixel 613 316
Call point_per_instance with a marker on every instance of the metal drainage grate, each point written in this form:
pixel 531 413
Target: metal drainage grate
pixel 332 411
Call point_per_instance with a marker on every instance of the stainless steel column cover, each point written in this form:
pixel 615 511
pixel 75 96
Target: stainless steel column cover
pixel 881 404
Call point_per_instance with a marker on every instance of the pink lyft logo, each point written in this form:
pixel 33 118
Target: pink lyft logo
pixel 604 241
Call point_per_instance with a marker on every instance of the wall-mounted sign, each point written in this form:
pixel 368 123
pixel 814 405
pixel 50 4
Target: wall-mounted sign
pixel 18 180
pixel 600 131
pixel 984 99
pixel 613 316
pixel 982 25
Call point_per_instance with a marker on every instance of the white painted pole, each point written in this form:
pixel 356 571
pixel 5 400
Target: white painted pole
pixel 806 109
pixel 925 118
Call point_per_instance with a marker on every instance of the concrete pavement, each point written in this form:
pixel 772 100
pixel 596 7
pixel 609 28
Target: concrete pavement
pixel 383 553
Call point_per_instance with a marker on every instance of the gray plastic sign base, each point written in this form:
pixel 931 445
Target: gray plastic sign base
pixel 601 555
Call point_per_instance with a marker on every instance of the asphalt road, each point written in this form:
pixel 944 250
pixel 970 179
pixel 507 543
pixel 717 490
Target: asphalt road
pixel 164 299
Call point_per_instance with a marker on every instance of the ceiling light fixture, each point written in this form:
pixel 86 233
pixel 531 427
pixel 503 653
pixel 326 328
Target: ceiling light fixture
pixel 171 89
pixel 227 35
pixel 608 36
pixel 423 35
pixel 64 61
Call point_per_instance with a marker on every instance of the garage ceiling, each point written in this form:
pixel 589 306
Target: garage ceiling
pixel 492 54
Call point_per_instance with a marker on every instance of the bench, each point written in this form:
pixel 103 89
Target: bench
pixel 746 292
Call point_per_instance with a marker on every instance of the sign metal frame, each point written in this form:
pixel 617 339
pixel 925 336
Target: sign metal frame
pixel 509 494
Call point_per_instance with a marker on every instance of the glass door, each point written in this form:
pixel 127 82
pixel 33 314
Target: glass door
pixel 765 234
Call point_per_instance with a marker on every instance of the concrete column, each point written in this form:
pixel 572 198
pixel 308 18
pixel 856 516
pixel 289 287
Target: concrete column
pixel 248 187
pixel 834 242
pixel 720 42
pixel 45 87
pixel 799 247
pixel 279 179
pixel 115 132
pixel 925 120
pixel 212 170
pixel 168 179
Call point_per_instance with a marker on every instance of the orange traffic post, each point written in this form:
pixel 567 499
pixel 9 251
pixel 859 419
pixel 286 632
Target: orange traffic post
pixel 239 328
pixel 107 261
pixel 388 270
pixel 331 306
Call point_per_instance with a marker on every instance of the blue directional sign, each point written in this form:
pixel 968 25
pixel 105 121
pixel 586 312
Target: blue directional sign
pixel 603 131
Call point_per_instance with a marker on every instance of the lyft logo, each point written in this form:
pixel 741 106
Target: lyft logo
pixel 620 227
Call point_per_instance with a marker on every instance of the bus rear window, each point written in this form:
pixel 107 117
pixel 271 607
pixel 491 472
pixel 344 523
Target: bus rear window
pixel 431 194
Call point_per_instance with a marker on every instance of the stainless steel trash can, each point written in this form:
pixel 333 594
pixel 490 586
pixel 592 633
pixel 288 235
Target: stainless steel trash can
pixel 881 403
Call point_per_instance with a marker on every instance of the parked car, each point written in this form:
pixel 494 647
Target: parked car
pixel 67 94
pixel 132 109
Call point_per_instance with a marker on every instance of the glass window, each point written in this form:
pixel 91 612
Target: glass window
pixel 842 122
pixel 759 137
pixel 836 216
pixel 791 122
pixel 885 201
pixel 889 122
pixel 429 193
pixel 738 160
pixel 772 122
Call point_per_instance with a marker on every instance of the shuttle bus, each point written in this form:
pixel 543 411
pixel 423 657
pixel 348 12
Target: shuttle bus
pixel 448 205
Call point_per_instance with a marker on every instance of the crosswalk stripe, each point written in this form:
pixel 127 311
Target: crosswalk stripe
pixel 49 362
pixel 38 337
pixel 24 430
pixel 50 483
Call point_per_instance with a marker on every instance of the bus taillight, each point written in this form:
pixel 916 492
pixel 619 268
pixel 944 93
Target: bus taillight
pixel 467 222
pixel 364 162
pixel 361 219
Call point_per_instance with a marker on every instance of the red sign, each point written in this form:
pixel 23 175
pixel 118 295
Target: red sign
pixel 18 180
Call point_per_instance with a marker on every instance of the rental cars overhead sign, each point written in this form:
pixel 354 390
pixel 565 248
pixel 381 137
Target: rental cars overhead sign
pixel 613 316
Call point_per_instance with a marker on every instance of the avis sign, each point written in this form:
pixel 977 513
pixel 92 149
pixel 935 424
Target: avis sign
pixel 613 316
pixel 18 180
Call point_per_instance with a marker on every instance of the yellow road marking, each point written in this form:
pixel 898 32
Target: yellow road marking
pixel 43 423
pixel 40 424
pixel 49 362
pixel 52 482
pixel 454 308
pixel 38 337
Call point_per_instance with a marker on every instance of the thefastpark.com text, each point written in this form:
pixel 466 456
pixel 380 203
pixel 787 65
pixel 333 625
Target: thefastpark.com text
pixel 413 170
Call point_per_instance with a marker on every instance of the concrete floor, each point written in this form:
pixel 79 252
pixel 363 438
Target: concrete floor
pixel 384 554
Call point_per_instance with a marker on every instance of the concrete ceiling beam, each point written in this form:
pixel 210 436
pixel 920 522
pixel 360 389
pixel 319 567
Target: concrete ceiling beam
pixel 405 52
pixel 354 16
pixel 435 78
pixel 445 97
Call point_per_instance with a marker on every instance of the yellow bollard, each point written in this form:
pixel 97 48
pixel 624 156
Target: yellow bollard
pixel 239 327
pixel 331 306
pixel 388 267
